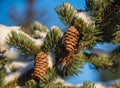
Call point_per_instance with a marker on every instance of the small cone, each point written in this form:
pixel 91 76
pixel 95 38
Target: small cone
pixel 41 65
pixel 71 39
pixel 66 60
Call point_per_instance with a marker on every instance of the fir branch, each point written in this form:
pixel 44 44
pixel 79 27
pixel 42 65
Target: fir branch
pixel 48 78
pixel 11 84
pixel 38 26
pixel 99 62
pixel 97 8
pixel 117 35
pixel 59 85
pixel 66 13
pixel 70 69
pixel 30 84
pixel 103 13
pixel 3 61
pixel 24 67
pixel 38 30
pixel 2 75
pixel 33 28
pixel 88 84
pixel 23 43
pixel 48 81
pixel 116 85
pixel 89 37
pixel 52 38
pixel 79 24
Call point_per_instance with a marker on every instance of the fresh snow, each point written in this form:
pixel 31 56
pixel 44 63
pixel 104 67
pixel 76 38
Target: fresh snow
pixel 85 16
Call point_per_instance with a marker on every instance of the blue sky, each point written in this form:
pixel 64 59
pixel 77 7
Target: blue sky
pixel 47 5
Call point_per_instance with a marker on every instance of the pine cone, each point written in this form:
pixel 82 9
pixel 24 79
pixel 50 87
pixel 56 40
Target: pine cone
pixel 41 65
pixel 67 59
pixel 71 39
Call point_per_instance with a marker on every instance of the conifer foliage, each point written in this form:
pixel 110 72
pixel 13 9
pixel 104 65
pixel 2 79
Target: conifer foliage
pixel 68 47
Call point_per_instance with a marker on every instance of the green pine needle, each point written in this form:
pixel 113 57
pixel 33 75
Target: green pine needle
pixel 116 85
pixel 22 43
pixel 52 38
pixel 79 24
pixel 117 35
pixel 48 78
pixel 89 37
pixel 2 76
pixel 31 84
pixel 88 84
pixel 38 26
pixel 97 61
pixel 72 68
pixel 11 84
pixel 66 13
pixel 104 14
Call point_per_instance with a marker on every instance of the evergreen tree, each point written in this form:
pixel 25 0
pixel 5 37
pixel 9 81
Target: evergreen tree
pixel 68 47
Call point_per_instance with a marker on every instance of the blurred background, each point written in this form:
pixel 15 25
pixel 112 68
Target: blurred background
pixel 22 12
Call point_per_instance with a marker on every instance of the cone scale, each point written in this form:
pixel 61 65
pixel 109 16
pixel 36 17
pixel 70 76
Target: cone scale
pixel 71 39
pixel 40 65
pixel 66 60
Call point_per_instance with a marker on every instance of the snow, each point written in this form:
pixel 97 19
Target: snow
pixel 51 59
pixel 104 49
pixel 60 80
pixel 11 52
pixel 40 34
pixel 24 67
pixel 85 16
pixel 108 47
pixel 4 31
pixel 20 87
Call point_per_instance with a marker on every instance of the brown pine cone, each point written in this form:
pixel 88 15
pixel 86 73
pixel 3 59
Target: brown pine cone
pixel 41 65
pixel 67 59
pixel 71 39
